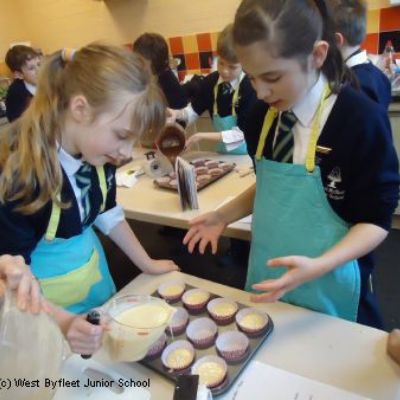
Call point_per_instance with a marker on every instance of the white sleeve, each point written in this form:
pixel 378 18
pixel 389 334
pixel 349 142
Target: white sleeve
pixel 109 219
pixel 232 138
pixel 190 115
pixel 232 135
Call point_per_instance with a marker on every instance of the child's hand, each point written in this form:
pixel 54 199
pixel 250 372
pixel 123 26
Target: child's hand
pixel 204 230
pixel 84 337
pixel 157 267
pixel 19 277
pixel 300 270
pixel 393 345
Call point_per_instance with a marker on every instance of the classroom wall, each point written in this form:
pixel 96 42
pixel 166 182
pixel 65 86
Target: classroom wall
pixel 383 25
pixel 51 24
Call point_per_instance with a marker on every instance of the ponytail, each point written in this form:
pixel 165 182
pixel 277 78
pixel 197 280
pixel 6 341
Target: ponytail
pixel 30 171
pixel 334 67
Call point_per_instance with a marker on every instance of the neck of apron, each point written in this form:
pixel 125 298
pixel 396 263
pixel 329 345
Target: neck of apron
pixel 234 100
pixel 315 129
pixel 56 210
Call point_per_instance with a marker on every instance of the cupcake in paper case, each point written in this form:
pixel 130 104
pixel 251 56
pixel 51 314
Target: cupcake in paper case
pixel 171 291
pixel 157 347
pixel 232 345
pixel 178 355
pixel 212 371
pixel 202 332
pixel 252 321
pixel 222 310
pixel 195 300
pixel 225 166
pixel 179 322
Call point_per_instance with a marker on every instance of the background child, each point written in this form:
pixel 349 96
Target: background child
pixel 154 48
pixel 24 62
pixel 350 18
pixel 58 174
pixel 83 337
pixel 325 194
pixel 227 95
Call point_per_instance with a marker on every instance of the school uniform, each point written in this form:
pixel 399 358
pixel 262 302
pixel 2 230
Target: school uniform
pixel 19 96
pixel 344 171
pixel 228 110
pixel 172 89
pixel 373 82
pixel 60 245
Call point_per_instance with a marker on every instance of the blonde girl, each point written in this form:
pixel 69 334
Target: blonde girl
pixel 57 167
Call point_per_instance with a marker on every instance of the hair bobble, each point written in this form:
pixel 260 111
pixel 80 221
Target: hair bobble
pixel 68 54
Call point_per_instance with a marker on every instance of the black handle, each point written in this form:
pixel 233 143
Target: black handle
pixel 94 318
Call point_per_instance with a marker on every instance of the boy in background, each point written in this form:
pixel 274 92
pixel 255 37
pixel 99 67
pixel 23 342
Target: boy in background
pixel 24 63
pixel 228 97
pixel 350 19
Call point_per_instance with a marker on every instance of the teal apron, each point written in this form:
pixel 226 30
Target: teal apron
pixel 227 123
pixel 73 273
pixel 292 216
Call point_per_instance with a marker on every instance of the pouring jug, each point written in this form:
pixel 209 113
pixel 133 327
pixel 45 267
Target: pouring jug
pixel 135 323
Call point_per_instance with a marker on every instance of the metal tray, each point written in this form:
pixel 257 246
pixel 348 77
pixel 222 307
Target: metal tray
pixel 234 369
pixel 200 186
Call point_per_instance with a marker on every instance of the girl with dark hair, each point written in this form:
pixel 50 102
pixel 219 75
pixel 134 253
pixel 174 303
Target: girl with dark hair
pixel 154 49
pixel 327 172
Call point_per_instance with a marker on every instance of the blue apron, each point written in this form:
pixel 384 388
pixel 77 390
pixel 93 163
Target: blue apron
pixel 73 273
pixel 227 123
pixel 292 216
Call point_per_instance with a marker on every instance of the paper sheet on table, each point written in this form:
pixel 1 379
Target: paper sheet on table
pixel 126 178
pixel 261 381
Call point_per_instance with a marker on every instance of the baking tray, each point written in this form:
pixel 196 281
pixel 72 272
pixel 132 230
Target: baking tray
pixel 234 369
pixel 202 185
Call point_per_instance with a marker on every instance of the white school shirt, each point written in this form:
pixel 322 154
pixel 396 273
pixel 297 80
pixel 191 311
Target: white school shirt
pixel 105 221
pixel 232 137
pixel 30 88
pixel 305 111
pixel 357 59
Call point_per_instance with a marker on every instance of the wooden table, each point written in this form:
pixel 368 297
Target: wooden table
pixel 144 202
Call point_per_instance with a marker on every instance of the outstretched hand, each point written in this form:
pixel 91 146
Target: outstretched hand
pixel 300 269
pixel 205 229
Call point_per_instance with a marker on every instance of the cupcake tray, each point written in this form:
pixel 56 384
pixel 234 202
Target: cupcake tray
pixel 234 368
pixel 200 185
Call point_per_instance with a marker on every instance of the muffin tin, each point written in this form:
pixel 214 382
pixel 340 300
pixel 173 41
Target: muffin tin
pixel 236 359
pixel 207 171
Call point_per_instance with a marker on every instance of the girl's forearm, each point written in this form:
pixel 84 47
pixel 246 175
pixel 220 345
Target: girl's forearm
pixel 361 239
pixel 123 236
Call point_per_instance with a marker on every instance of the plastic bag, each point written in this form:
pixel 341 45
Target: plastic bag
pixel 31 352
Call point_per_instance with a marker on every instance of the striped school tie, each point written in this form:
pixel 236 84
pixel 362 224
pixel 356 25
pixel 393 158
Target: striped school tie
pixel 83 182
pixel 225 88
pixel 284 142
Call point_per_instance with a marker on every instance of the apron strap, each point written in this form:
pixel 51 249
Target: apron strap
pixel 54 220
pixel 234 99
pixel 56 210
pixel 272 113
pixel 103 185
